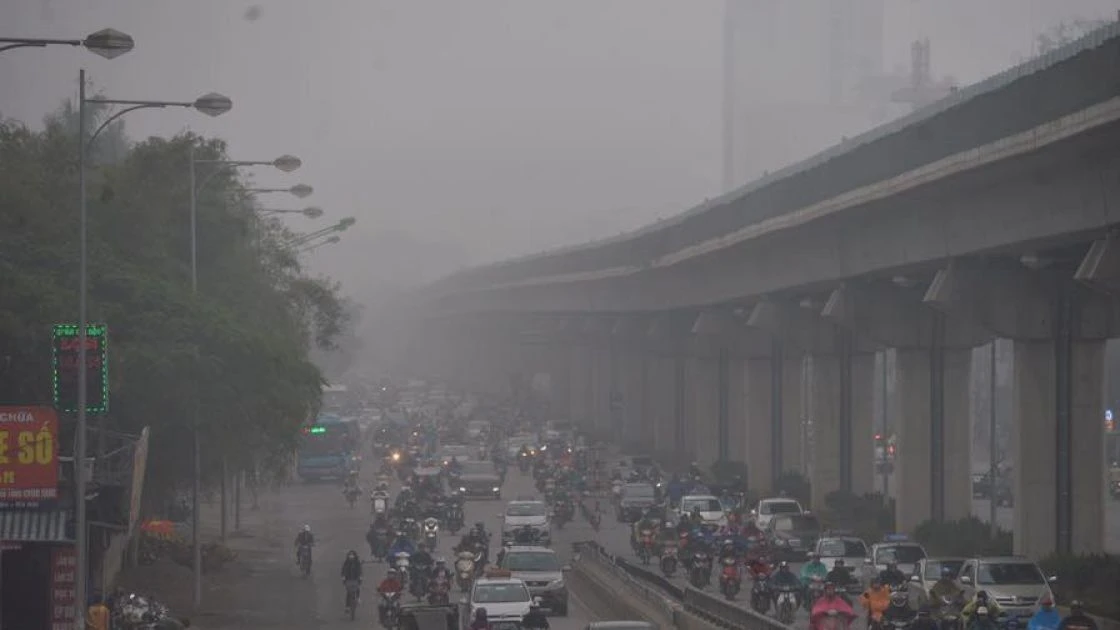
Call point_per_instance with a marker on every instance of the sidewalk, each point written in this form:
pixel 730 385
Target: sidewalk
pixel 253 591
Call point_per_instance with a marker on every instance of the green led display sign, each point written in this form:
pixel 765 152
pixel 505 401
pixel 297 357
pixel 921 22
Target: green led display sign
pixel 65 369
pixel 317 430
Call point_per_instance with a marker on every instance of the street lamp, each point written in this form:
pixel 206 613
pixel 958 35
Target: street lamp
pixel 311 212
pixel 108 43
pixel 330 241
pixel 210 104
pixel 299 190
pixel 304 239
pixel 286 163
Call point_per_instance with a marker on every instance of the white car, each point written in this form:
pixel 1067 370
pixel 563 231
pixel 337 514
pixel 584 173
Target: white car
pixel 506 601
pixel 710 508
pixel 852 550
pixel 534 514
pixel 903 553
pixel 768 508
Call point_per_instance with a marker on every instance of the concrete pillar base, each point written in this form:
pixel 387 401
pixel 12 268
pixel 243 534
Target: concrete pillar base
pixel 759 383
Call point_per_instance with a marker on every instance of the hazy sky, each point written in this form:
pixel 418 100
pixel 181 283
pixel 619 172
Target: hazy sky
pixel 484 127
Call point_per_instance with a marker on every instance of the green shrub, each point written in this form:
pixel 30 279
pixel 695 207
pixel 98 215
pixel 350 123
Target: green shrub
pixel 866 516
pixel 795 486
pixel 1092 578
pixel 965 537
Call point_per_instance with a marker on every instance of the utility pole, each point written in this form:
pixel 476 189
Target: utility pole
pixel 728 96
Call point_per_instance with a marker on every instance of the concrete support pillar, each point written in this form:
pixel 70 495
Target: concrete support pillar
pixel 792 412
pixel 957 435
pixel 1041 447
pixel 759 387
pixel 560 377
pixel 824 414
pixel 703 410
pixel 912 425
pixel 661 394
pixel 600 391
pixel 630 365
pixel 737 431
pixel 580 386
pixel 862 428
pixel 646 426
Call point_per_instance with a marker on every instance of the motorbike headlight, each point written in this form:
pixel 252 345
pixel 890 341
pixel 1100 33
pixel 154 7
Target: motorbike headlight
pixel 496 489
pixel 462 489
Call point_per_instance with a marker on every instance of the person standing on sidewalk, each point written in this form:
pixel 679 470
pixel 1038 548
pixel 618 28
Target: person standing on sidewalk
pixel 97 615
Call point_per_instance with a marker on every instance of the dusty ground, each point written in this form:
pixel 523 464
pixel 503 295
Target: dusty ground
pixel 254 591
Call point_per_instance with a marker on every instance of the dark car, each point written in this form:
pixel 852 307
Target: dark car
pixel 636 499
pixel 793 536
pixel 479 479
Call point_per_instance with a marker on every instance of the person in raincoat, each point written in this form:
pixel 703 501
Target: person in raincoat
pixel 875 600
pixel 830 605
pixel 1046 618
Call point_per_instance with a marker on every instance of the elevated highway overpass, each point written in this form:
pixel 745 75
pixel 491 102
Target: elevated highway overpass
pixel 740 326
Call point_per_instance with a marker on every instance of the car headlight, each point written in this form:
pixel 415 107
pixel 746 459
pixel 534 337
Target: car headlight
pixel 555 584
pixel 462 490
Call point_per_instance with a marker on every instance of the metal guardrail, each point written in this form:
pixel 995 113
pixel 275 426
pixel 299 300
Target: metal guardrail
pixel 658 590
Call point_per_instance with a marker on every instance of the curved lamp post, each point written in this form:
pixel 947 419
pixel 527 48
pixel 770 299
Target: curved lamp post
pixel 311 212
pixel 108 43
pixel 212 104
pixel 299 190
pixel 329 241
pixel 304 239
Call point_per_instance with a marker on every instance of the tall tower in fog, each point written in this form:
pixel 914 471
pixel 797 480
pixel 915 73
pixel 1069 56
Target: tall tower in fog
pixel 793 74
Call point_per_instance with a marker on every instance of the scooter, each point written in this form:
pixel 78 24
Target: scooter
pixel 669 561
pixel 700 573
pixel 729 580
pixel 464 570
pixel 431 533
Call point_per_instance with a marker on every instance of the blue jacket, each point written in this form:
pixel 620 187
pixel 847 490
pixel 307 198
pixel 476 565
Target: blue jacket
pixel 404 545
pixel 1045 620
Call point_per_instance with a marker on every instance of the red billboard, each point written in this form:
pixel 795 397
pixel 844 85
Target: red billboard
pixel 28 456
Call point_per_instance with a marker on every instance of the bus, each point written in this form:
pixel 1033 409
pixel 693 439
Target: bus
pixel 328 448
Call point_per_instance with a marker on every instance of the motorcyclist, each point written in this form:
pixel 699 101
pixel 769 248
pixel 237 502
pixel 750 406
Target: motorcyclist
pixel 402 544
pixel 1046 618
pixel 891 576
pixel 304 539
pixel 945 588
pixel 981 619
pixel 727 550
pixel 899 608
pixel 839 575
pixel 440 570
pixel 875 600
pixel 647 522
pixel 924 621
pixel 1077 619
pixel 830 603
pixel 981 599
pixel 813 568
pixel 785 578
pixel 454 467
pixel 377 529
pixel 535 619
pixel 388 588
pixel 422 558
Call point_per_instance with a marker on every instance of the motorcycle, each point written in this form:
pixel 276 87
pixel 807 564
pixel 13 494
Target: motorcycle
pixel 729 580
pixel 760 594
pixel 645 545
pixel 786 603
pixel 816 589
pixel 700 572
pixel 352 596
pixel 380 545
pixel 418 585
pixel 378 503
pixel 562 513
pixel 304 558
pixel 402 562
pixel 950 618
pixel 454 518
pixel 390 610
pixel 464 570
pixel 431 533
pixel 410 528
pixel 352 495
pixel 438 591
pixel 669 560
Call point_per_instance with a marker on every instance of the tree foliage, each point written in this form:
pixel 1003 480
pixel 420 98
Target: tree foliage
pixel 233 356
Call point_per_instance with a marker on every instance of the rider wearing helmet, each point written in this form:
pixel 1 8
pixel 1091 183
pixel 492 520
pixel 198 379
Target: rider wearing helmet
pixel 891 576
pixel 1046 618
pixel 784 577
pixel 839 575
pixel 441 570
pixel 982 619
pixel 389 588
pixel 814 568
pixel 982 600
pixel 945 588
pixel 876 600
pixel 1077 619
pixel 402 544
pixel 535 618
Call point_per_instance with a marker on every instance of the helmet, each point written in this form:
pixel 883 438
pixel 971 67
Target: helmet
pixel 441 560
pixel 783 565
pixel 839 562
pixel 351 554
pixel 946 572
pixel 982 596
pixel 982 611
pixel 307 528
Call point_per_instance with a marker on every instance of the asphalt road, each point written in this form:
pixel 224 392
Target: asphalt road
pixel 338 529
pixel 615 537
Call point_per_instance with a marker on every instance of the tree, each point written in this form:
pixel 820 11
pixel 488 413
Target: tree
pixel 234 358
pixel 1065 33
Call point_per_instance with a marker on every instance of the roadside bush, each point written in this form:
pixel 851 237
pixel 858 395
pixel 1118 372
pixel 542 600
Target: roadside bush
pixel 867 516
pixel 795 486
pixel 965 537
pixel 1092 578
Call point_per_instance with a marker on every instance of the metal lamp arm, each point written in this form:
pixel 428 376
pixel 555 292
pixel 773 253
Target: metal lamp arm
pixel 116 115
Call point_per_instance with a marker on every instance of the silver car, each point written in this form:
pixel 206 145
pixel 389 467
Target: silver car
pixel 540 569
pixel 1014 582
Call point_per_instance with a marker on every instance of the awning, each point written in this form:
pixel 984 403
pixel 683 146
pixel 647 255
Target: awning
pixel 34 525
